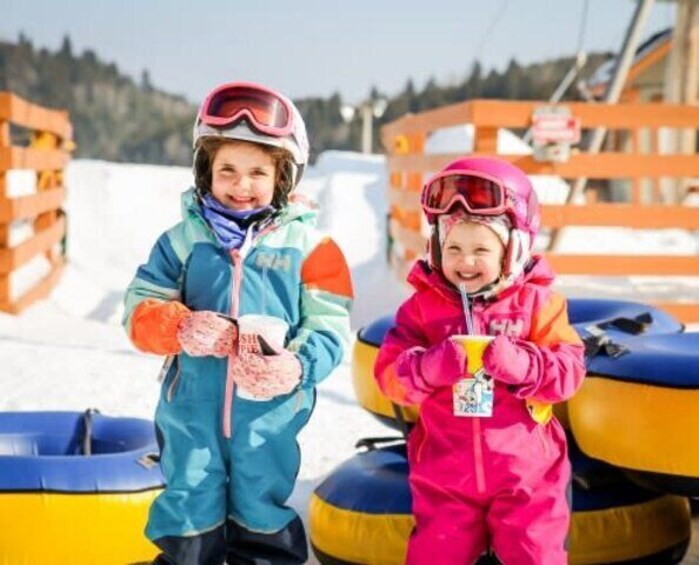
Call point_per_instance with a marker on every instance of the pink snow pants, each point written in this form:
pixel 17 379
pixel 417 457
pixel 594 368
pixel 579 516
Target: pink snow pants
pixel 474 496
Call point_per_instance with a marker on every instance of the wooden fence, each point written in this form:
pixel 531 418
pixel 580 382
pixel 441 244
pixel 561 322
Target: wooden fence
pixel 47 136
pixel 631 153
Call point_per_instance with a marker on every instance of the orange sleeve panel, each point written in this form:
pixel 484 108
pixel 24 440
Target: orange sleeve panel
pixel 326 269
pixel 550 324
pixel 154 326
pixel 394 388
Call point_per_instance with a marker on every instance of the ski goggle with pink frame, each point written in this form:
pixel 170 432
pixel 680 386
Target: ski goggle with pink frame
pixel 477 192
pixel 265 110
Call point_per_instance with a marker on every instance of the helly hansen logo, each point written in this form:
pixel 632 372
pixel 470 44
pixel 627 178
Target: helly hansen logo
pixel 510 328
pixel 273 261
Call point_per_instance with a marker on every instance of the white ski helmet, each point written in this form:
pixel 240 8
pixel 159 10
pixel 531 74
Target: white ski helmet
pixel 250 112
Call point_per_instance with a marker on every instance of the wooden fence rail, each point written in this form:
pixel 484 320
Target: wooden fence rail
pixel 47 153
pixel 631 154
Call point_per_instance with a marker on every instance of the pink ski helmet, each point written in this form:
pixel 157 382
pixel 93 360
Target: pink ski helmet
pixel 484 186
pixel 489 187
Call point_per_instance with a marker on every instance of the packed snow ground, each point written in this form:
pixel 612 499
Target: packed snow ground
pixel 70 353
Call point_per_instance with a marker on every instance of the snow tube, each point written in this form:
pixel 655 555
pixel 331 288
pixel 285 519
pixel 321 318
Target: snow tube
pixel 361 514
pixel 618 315
pixel 620 320
pixel 639 411
pixel 76 487
pixel 367 392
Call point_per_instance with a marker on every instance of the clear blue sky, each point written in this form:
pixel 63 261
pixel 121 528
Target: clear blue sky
pixel 317 47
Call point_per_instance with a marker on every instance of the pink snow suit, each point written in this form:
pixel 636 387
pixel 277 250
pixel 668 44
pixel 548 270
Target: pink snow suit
pixel 480 482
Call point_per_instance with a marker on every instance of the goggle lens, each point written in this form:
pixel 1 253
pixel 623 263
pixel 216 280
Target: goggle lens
pixel 264 108
pixel 477 193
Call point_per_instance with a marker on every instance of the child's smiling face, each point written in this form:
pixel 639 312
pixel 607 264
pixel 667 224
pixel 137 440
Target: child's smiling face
pixel 472 255
pixel 243 176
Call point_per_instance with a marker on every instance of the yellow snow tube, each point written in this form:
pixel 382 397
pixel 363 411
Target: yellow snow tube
pixel 76 488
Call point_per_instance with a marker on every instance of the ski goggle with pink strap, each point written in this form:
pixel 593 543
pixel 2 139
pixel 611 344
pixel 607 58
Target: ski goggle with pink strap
pixel 265 110
pixel 477 192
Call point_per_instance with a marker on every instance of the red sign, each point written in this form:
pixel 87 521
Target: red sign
pixel 555 128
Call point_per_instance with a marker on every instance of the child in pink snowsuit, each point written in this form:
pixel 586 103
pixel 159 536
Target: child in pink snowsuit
pixel 497 479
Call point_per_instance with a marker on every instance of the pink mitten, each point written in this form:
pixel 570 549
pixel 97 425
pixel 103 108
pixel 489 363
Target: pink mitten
pixel 267 376
pixel 207 333
pixel 505 361
pixel 443 364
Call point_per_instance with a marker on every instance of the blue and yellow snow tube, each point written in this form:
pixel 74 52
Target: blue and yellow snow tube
pixel 617 318
pixel 61 505
pixel 367 392
pixel 361 514
pixel 621 321
pixel 639 411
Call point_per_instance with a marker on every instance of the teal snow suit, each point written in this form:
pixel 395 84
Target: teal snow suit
pixel 288 270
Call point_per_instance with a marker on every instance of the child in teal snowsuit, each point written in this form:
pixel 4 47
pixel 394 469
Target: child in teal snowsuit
pixel 242 247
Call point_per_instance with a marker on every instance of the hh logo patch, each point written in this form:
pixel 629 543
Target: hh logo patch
pixel 273 261
pixel 504 326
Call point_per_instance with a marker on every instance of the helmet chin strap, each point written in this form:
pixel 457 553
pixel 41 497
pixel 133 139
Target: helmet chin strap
pixel 489 290
pixel 517 255
pixel 296 173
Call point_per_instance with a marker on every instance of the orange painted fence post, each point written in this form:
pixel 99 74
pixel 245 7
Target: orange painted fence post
pixel 47 154
pixel 404 219
pixel 4 227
